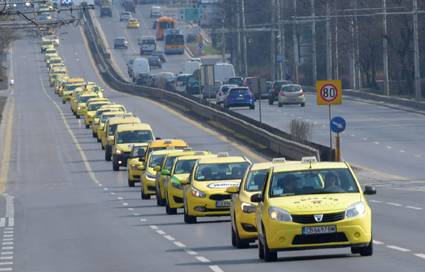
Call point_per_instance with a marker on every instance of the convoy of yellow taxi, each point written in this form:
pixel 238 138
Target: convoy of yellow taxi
pixel 285 205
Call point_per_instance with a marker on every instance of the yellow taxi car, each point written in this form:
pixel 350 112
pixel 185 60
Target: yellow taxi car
pixel 56 65
pixel 312 205
pixel 207 195
pixel 59 83
pixel 68 87
pixel 134 163
pixel 164 171
pixel 56 73
pixel 147 180
pixel 92 106
pixel 242 210
pixel 103 109
pixel 125 136
pixel 179 180
pixel 111 125
pixel 47 44
pixel 53 60
pixel 133 23
pixel 81 103
pixel 49 53
pixel 104 118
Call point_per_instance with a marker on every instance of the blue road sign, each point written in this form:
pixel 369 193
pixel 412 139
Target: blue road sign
pixel 338 124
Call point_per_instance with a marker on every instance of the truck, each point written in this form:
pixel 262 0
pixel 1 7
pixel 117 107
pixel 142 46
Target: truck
pixel 128 5
pixel 105 8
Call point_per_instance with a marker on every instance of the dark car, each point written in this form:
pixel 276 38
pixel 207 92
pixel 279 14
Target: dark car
pixel 154 61
pixel 125 16
pixel 275 89
pixel 120 42
pixel 160 54
pixel 105 11
pixel 239 97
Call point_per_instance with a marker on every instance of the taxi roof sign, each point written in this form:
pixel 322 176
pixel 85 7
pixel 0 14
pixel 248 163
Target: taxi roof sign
pixel 279 160
pixel 308 159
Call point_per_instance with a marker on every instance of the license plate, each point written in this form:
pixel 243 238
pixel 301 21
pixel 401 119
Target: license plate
pixel 319 230
pixel 222 204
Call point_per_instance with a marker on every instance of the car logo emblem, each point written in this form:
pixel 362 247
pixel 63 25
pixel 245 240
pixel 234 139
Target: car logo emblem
pixel 318 217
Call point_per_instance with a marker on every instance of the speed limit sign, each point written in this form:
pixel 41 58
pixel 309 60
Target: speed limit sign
pixel 329 92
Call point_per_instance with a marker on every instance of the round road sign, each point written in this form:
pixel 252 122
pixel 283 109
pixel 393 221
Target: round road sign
pixel 329 92
pixel 338 124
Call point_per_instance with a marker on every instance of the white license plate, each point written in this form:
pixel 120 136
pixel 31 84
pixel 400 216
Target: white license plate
pixel 222 204
pixel 319 230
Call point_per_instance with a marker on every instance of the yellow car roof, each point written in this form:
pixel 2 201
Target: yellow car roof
pixel 185 152
pixel 75 80
pixel 303 166
pixel 168 142
pixel 124 119
pixel 111 113
pixel 224 159
pixel 166 151
pixel 98 100
pixel 133 126
pixel 112 106
pixel 195 157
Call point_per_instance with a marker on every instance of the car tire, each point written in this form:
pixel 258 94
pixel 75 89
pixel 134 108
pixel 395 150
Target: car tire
pixel 159 200
pixel 130 182
pixel 108 154
pixel 280 105
pixel 87 126
pixel 236 240
pixel 252 107
pixel 63 101
pixel 169 210
pixel 271 101
pixel 269 256
pixel 188 219
pixel 94 135
pixel 367 250
pixel 302 104
pixel 115 165
pixel 142 193
pixel 260 250
pixel 77 116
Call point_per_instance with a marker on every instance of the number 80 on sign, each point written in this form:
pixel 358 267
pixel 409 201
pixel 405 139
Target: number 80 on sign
pixel 329 92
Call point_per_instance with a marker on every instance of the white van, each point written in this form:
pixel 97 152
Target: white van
pixel 155 11
pixel 191 66
pixel 223 71
pixel 139 70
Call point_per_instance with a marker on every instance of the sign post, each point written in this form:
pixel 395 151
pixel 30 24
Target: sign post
pixel 328 93
pixel 338 125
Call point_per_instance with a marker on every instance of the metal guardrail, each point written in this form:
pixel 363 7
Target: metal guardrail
pixel 264 138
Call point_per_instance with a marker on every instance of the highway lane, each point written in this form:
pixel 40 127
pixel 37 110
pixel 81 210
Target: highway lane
pixel 208 240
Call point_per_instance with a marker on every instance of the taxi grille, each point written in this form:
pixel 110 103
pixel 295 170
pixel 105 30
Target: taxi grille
pixel 220 197
pixel 177 199
pixel 319 238
pixel 309 218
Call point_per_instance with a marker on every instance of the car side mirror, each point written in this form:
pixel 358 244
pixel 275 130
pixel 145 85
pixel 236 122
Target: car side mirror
pixel 232 190
pixel 369 190
pixel 158 138
pixel 257 198
pixel 165 172
pixel 157 168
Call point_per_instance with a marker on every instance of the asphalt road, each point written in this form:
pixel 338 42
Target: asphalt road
pixel 379 137
pixel 73 213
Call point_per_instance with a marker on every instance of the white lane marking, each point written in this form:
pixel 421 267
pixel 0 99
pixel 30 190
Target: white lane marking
pixel 389 147
pixel 375 201
pixel 353 135
pixel 11 222
pixel 160 232
pixel 136 214
pixel 364 139
pixel 216 268
pixel 7 248
pixel 8 231
pixel 6 258
pixel 2 222
pixel 376 242
pixel 105 189
pixel 100 184
pixel 112 193
pixel 179 244
pixel 120 198
pixel 10 208
pixel 169 237
pixel 143 220
pixel 125 204
pixel 6 269
pixel 420 255
pixel 402 249
pixel 191 252
pixel 377 143
pixel 7 243
pixel 414 208
pixel 202 259
pixel 394 204
pixel 153 227
pixel 402 151
pixel 130 209
pixel 6 253
pixel 6 263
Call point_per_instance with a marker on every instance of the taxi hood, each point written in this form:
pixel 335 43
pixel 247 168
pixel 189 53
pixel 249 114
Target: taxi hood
pixel 306 204
pixel 217 185
pixel 124 147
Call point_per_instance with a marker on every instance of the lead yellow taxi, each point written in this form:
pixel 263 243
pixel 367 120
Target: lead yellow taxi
pixel 179 181
pixel 207 195
pixel 312 205
pixel 242 210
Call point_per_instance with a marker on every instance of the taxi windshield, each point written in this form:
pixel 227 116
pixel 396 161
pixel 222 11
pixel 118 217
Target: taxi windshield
pixel 255 180
pixel 221 171
pixel 156 160
pixel 134 136
pixel 184 166
pixel 326 181
pixel 72 87
pixel 93 107
pixel 84 99
pixel 169 163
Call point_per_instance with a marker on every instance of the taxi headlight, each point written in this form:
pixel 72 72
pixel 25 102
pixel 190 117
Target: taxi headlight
pixel 118 152
pixel 248 207
pixel 356 209
pixel 197 193
pixel 150 176
pixel 278 214
pixel 78 108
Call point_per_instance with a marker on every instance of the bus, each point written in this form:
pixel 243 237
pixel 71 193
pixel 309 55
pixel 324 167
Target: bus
pixel 173 41
pixel 162 24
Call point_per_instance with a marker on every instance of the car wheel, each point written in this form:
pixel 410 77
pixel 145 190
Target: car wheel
pixel 87 126
pixel 252 107
pixel 367 250
pixel 188 219
pixel 169 210
pixel 236 240
pixel 302 104
pixel 77 116
pixel 142 192
pixel 100 141
pixel 260 250
pixel 115 165
pixel 108 154
pixel 280 105
pixel 269 256
pixel 63 101
pixel 159 200
pixel 130 183
pixel 271 101
pixel 94 135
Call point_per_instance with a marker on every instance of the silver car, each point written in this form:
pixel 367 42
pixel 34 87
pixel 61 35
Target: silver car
pixel 291 94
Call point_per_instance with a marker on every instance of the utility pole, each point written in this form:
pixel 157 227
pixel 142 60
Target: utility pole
pixel 416 56
pixel 336 45
pixel 281 41
pixel 238 38
pixel 357 46
pixel 223 43
pixel 313 42
pixel 328 42
pixel 273 40
pixel 245 50
pixel 385 50
pixel 295 41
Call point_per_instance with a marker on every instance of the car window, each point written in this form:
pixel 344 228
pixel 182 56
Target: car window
pixel 156 160
pixel 138 151
pixel 235 92
pixel 220 171
pixel 134 136
pixel 255 180
pixel 184 166
pixel 291 88
pixel 169 163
